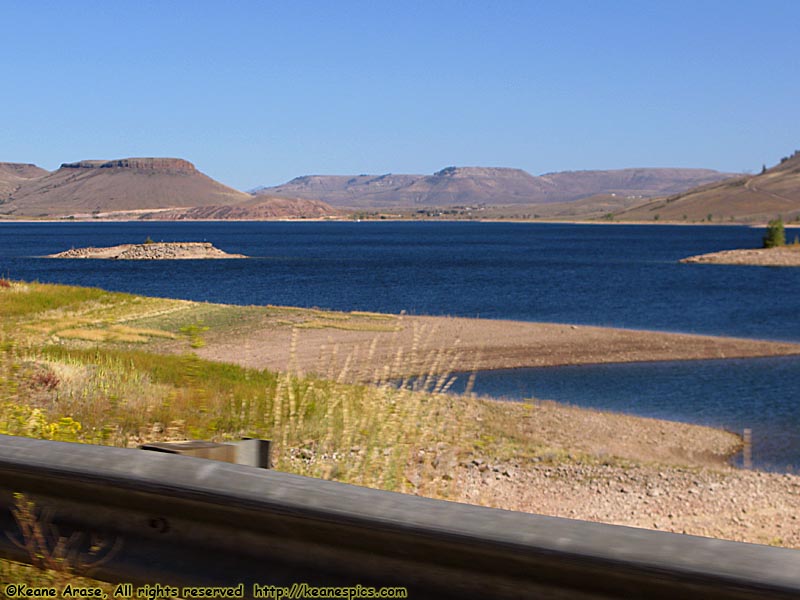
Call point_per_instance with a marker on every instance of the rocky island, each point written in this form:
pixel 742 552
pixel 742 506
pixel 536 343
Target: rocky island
pixel 150 251
pixel 782 256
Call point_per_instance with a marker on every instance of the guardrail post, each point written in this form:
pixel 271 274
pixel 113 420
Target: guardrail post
pixel 747 452
pixel 254 453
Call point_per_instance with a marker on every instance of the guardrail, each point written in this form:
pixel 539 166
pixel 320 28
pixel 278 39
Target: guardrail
pixel 146 518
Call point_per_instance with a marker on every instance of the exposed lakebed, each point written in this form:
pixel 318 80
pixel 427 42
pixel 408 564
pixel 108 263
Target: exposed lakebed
pixel 759 394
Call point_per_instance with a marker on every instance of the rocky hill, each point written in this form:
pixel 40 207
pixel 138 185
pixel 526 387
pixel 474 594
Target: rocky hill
pixel 773 192
pixel 490 186
pixel 259 208
pixel 96 186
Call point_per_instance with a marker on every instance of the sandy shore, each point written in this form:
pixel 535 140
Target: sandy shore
pixel 783 256
pixel 590 465
pixel 376 346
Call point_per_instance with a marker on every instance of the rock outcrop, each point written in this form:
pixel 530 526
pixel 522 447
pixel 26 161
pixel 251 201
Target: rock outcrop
pixel 150 251
pixel 173 165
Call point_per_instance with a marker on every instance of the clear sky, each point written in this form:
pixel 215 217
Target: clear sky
pixel 259 92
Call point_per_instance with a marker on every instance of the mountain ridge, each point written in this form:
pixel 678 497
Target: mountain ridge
pixel 487 185
pixel 173 188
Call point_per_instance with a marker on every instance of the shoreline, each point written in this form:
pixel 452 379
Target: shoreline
pixel 541 456
pixel 753 224
pixel 405 345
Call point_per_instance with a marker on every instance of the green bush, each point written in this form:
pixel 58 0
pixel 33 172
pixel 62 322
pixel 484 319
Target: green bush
pixel 775 236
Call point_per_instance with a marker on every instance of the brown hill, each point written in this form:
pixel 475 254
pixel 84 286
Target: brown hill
pixel 491 186
pixel 96 186
pixel 259 208
pixel 592 207
pixel 751 198
pixel 13 175
pixel 631 182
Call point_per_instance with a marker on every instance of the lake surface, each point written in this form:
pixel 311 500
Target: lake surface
pixel 758 394
pixel 620 275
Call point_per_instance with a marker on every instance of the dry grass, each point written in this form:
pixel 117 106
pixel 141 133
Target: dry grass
pixel 345 326
pixel 398 434
pixel 321 427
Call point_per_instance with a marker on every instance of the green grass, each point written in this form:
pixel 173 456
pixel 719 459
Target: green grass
pixel 125 394
pixel 25 299
pixel 103 390
pixel 118 395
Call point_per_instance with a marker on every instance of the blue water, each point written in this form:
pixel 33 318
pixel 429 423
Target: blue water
pixel 758 394
pixel 623 276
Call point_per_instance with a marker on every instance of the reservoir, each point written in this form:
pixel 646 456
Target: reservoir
pixel 608 275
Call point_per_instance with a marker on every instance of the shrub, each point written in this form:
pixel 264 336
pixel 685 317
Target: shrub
pixel 775 235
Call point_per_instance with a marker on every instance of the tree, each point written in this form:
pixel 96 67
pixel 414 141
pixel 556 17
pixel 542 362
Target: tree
pixel 775 236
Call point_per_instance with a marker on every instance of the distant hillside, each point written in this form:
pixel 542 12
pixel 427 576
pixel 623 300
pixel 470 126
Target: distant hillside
pixel 591 207
pixel 97 186
pixel 259 208
pixel 491 186
pixel 13 175
pixel 760 197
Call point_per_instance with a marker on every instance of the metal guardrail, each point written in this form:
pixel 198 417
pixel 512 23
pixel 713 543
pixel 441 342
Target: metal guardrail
pixel 250 452
pixel 147 517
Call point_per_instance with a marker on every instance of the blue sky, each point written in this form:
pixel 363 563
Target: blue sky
pixel 259 92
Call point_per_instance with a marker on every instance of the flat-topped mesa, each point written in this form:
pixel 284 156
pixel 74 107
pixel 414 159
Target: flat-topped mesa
pixel 173 165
